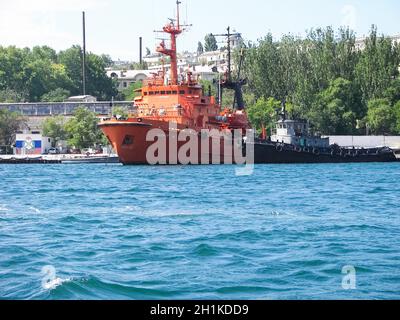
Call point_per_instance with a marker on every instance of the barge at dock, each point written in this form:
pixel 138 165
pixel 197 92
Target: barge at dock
pixel 37 160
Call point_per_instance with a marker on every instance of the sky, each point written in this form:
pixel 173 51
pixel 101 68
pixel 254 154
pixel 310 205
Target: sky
pixel 114 26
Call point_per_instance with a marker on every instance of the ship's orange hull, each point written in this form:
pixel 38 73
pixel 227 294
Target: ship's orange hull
pixel 129 140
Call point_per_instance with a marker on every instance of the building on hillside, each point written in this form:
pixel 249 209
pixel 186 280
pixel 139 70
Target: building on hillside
pixel 208 73
pixel 86 99
pixel 360 42
pixel 188 57
pixel 121 63
pixel 153 59
pixel 213 58
pixel 236 39
pixel 127 77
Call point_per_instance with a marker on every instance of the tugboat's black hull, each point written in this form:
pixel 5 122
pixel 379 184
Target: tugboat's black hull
pixel 265 153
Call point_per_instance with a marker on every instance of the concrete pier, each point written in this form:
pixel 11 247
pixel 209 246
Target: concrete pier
pixel 58 159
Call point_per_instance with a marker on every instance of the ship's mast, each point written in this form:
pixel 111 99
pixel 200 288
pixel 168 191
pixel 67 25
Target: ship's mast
pixel 177 13
pixel 174 31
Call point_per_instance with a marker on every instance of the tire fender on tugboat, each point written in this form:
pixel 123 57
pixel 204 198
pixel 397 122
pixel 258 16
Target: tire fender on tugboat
pixel 279 148
pixel 316 151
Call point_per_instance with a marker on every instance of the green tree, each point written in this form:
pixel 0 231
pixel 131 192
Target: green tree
pixel 210 43
pixel 264 113
pixel 9 96
pixel 261 68
pixel 13 77
pixel 44 76
pixel 55 128
pixel 133 91
pixel 393 91
pixel 207 85
pixel 107 60
pixel 72 60
pixel 335 109
pixel 380 116
pixel 120 112
pixel 305 73
pixel 57 95
pixel 82 129
pixel 200 48
pixel 396 111
pixel 98 83
pixel 378 65
pixel 31 74
pixel 10 123
pixel 44 53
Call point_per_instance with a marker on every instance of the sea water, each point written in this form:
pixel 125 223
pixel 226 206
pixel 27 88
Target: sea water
pixel 200 232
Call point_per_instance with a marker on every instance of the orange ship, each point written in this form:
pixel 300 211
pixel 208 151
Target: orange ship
pixel 174 105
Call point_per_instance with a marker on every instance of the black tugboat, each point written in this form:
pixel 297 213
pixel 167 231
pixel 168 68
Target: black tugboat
pixel 292 143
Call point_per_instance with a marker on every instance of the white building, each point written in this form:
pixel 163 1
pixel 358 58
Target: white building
pixel 32 143
pixel 213 57
pixel 126 77
pixel 236 40
pixel 206 72
pixel 82 99
pixel 360 42
pixel 153 59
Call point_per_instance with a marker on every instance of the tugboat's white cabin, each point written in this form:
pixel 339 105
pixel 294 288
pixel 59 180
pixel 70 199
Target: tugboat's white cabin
pixel 296 132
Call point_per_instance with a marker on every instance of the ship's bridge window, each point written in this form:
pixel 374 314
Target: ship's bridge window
pixel 182 92
pixel 168 92
pixel 151 93
pixel 157 92
pixel 174 92
pixel 162 92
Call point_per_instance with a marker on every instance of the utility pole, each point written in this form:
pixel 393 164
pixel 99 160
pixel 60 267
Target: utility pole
pixel 229 83
pixel 229 48
pixel 84 55
pixel 229 54
pixel 140 52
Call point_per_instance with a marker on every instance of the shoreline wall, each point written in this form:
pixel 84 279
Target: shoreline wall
pixel 366 141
